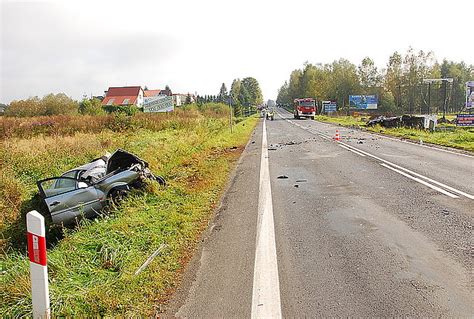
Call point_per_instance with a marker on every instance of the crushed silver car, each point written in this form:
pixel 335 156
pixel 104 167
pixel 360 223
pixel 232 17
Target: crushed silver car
pixel 88 189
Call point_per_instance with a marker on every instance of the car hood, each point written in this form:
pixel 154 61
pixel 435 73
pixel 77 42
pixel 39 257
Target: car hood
pixel 121 159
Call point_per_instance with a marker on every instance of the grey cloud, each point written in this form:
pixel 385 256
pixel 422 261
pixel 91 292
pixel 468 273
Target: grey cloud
pixel 44 50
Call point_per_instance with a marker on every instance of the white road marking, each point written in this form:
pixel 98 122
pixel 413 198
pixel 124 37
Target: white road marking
pixel 408 142
pixel 420 181
pixel 452 189
pixel 266 285
pixel 353 151
pixel 413 173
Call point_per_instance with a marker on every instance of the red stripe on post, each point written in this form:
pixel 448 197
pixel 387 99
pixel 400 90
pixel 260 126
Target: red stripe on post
pixel 37 249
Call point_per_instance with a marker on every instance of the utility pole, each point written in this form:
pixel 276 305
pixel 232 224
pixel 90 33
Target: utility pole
pixel 429 98
pixel 445 96
pixel 399 96
pixel 230 113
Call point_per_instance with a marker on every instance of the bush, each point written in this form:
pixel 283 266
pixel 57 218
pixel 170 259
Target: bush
pixel 126 109
pixel 91 107
pixel 51 104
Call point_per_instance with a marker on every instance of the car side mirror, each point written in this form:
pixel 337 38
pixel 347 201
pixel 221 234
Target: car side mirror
pixel 82 185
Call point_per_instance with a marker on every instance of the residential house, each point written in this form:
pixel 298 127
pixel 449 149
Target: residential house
pixel 150 93
pixel 180 99
pixel 125 95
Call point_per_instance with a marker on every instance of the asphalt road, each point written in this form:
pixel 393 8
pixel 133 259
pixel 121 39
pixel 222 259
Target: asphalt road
pixel 365 227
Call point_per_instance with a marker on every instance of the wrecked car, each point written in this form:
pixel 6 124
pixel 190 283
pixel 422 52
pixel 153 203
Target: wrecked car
pixel 270 114
pixel 383 121
pixel 88 189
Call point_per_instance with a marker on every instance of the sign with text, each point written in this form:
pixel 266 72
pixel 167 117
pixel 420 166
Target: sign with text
pixel 470 94
pixel 363 102
pixel 329 106
pixel 465 120
pixel 159 103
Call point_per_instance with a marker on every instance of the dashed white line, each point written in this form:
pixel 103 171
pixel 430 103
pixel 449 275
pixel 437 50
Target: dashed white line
pixel 452 189
pixel 266 286
pixel 353 151
pixel 420 181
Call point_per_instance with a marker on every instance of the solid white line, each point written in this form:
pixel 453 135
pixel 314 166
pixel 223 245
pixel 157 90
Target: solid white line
pixel 413 173
pixel 266 285
pixel 353 151
pixel 420 181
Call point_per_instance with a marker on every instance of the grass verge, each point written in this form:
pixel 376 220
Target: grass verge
pixel 92 268
pixel 456 137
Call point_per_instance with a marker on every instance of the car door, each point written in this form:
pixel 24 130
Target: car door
pixel 67 198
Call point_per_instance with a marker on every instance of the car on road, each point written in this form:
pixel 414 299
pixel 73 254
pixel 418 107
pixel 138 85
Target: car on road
pixel 270 113
pixel 86 190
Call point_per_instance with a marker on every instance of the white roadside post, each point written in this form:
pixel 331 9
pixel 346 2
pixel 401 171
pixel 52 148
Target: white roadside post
pixel 38 269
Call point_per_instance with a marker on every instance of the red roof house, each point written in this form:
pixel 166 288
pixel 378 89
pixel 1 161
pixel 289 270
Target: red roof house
pixel 125 95
pixel 149 93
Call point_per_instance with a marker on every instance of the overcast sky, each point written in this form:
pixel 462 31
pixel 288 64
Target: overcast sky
pixel 83 47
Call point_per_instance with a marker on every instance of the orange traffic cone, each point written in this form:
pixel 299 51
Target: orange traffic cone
pixel 337 137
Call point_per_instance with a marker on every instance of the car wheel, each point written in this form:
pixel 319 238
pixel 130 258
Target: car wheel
pixel 117 196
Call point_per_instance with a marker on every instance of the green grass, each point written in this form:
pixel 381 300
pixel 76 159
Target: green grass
pixel 456 137
pixel 91 269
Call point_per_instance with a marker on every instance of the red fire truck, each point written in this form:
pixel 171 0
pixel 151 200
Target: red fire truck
pixel 304 108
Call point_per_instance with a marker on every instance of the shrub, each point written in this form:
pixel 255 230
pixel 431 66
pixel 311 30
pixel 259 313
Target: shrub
pixel 91 107
pixel 51 104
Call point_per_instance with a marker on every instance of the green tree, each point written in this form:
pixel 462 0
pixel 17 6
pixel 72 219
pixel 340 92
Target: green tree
pixel 51 104
pixel 254 92
pixel 283 95
pixel 369 75
pixel 24 108
pixel 235 90
pixel 343 81
pixel 91 107
pixel 394 78
pixel 223 94
pixel 59 104
pixel 294 85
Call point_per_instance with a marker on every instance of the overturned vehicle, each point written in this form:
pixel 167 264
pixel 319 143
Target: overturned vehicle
pixel 88 189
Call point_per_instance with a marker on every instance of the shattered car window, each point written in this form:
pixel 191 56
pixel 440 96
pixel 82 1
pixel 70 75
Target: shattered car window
pixel 58 186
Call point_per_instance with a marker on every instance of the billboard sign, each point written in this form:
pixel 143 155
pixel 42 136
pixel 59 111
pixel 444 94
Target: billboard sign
pixel 470 94
pixel 465 120
pixel 363 102
pixel 329 106
pixel 159 103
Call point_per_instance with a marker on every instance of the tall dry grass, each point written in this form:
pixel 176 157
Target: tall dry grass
pixel 62 125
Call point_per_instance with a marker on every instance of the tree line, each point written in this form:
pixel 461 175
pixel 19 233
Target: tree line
pixel 243 93
pixel 399 86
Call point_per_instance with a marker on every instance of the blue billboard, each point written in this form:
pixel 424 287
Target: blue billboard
pixel 363 102
pixel 329 106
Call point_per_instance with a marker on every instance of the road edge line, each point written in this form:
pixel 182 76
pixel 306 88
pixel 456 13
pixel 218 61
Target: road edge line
pixel 266 287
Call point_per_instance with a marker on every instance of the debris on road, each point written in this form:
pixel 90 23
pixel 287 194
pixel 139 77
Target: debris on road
pixel 282 177
pixel 301 180
pixel 445 212
pixel 296 185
